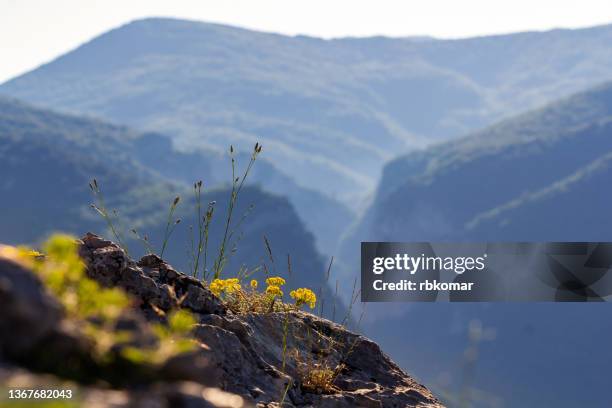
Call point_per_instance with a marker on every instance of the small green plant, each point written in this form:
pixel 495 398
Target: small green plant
pixel 98 309
pixel 173 339
pixel 199 245
pixel 243 300
pixel 315 376
pixel 316 372
pixel 237 184
pixel 112 221
pixel 111 218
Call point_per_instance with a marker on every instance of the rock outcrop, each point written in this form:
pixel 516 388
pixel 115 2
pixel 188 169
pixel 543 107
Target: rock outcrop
pixel 255 359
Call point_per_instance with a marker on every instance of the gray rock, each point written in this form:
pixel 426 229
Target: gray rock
pixel 181 394
pixel 28 314
pixel 248 359
pixel 151 280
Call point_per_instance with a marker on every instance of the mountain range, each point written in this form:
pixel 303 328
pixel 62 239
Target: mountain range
pixel 493 138
pixel 538 176
pixel 49 159
pixel 331 112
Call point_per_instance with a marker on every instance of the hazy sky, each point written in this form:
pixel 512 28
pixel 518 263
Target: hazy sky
pixel 35 31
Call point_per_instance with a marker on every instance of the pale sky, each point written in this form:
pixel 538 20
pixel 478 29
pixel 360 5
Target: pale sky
pixel 35 31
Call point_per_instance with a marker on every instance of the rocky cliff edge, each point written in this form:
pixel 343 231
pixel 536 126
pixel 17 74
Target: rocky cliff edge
pixel 242 360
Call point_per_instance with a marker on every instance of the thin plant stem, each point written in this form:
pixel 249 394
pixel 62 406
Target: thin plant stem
pixel 145 241
pixel 170 225
pixel 209 215
pixel 237 184
pixel 100 207
pixel 198 250
pixel 285 333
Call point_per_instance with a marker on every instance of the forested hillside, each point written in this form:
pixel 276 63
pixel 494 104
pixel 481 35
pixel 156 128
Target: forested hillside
pixel 49 160
pixel 332 112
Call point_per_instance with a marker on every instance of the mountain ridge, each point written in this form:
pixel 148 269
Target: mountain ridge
pixel 539 176
pixel 50 158
pixel 332 112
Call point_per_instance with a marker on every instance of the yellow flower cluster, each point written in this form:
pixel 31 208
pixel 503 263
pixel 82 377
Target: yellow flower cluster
pixel 255 301
pixel 228 286
pixel 20 255
pixel 275 281
pixel 304 296
pixel 274 286
pixel 274 291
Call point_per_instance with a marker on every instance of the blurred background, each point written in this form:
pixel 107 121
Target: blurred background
pixel 380 121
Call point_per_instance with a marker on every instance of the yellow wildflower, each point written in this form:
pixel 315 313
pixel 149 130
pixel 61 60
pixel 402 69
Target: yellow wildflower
pixel 274 291
pixel 304 296
pixel 254 284
pixel 217 286
pixel 275 281
pixel 228 286
pixel 232 285
pixel 20 255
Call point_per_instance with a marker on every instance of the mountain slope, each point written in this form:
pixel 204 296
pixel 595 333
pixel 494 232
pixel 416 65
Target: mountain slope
pixel 331 112
pixel 451 184
pixel 574 208
pixel 322 215
pixel 540 176
pixel 49 159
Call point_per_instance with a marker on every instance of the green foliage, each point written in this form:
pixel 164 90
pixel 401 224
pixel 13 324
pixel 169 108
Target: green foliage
pixel 97 309
pixel 63 272
pixel 173 339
